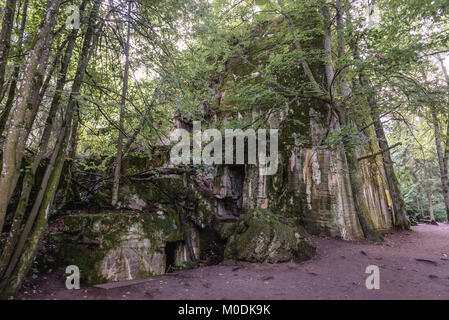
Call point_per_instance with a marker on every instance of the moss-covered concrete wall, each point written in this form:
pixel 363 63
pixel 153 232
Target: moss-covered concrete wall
pixel 312 184
pixel 122 246
pixel 138 240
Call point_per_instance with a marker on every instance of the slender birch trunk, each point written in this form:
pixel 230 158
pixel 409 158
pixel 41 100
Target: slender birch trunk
pixel 118 159
pixel 445 153
pixel 441 162
pixel 5 38
pixel 428 191
pixel 15 74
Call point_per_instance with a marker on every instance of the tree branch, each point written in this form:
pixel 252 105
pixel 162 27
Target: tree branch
pixel 380 152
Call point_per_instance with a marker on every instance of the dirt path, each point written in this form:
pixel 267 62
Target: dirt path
pixel 337 272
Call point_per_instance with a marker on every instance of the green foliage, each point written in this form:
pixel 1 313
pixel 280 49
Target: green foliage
pixel 182 265
pixel 410 159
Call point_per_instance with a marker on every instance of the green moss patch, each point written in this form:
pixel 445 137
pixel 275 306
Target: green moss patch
pixel 261 236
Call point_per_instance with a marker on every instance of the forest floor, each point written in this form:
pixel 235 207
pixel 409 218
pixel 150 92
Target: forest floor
pixel 412 264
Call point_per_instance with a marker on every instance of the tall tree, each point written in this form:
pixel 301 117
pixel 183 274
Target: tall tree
pixel 400 212
pixel 5 38
pixel 29 176
pixel 398 205
pixel 15 74
pixel 36 223
pixel 442 152
pixel 118 158
pixel 10 160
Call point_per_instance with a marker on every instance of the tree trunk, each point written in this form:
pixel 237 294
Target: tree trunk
pixel 399 210
pixel 15 74
pixel 363 214
pixel 44 38
pixel 441 162
pixel 401 221
pixel 28 180
pixel 118 159
pixel 428 191
pixel 38 90
pixel 41 208
pixel 17 220
pixel 344 86
pixel 5 38
pixel 446 140
pixel 356 182
pixel 27 186
pixel 329 65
